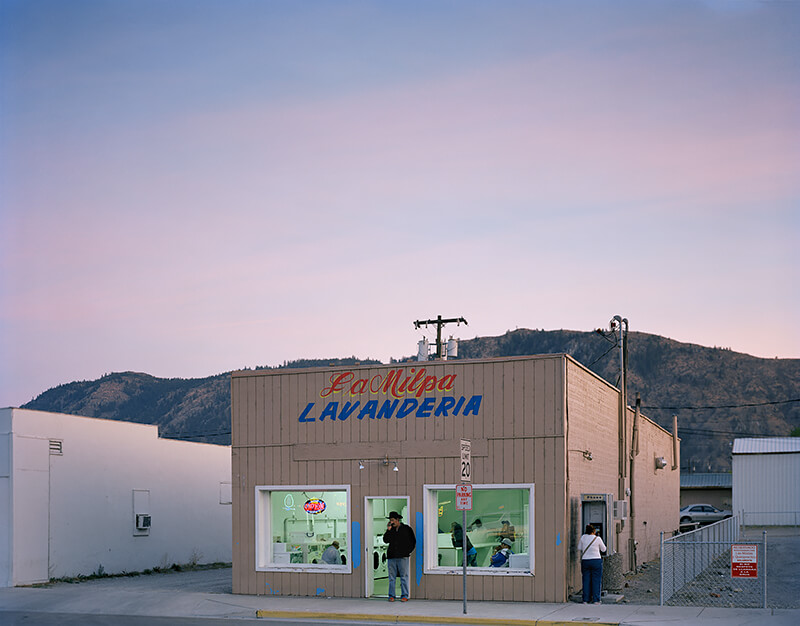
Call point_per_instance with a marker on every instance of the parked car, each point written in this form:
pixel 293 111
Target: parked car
pixel 703 514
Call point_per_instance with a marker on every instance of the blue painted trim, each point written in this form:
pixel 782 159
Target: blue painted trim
pixel 355 533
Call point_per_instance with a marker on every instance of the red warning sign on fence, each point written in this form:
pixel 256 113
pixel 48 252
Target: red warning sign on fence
pixel 744 561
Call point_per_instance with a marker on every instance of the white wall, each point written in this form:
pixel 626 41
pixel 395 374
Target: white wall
pixel 74 512
pixel 5 498
pixel 29 509
pixel 766 488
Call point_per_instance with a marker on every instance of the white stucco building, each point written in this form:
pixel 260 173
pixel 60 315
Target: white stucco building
pixel 80 495
pixel 766 490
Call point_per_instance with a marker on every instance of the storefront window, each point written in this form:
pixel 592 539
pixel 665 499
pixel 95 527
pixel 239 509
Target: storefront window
pixel 499 512
pixel 302 527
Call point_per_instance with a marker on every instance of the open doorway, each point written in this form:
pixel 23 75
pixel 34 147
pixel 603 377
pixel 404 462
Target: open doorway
pixel 376 513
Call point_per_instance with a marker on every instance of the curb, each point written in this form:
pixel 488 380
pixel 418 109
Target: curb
pixel 424 619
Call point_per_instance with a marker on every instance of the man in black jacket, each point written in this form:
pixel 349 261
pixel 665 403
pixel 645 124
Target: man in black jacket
pixel 402 542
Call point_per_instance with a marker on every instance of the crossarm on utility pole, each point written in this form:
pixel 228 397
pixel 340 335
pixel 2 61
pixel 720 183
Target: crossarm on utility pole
pixel 439 323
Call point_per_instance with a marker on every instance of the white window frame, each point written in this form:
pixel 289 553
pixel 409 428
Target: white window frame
pixel 430 512
pixel 264 534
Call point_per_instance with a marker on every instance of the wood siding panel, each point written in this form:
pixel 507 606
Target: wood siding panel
pixel 289 434
pixel 275 419
pixel 549 518
pixel 529 399
pixel 475 376
pixel 506 372
pixel 498 413
pixel 463 386
pixel 518 420
pixel 261 410
pixel 309 386
pixel 539 516
pixel 249 519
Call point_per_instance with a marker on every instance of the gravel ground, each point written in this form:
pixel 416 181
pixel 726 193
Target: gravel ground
pixel 644 586
pixel 783 572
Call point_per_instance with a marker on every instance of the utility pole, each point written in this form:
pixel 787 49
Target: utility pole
pixel 621 323
pixel 439 323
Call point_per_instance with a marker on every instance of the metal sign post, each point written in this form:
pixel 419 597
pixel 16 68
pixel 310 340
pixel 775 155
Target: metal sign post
pixel 464 504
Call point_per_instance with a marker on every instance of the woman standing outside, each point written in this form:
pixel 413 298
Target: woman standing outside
pixel 591 546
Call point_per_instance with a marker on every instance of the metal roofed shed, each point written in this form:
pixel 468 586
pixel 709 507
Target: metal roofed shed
pixel 719 480
pixel 707 488
pixel 766 445
pixel 766 490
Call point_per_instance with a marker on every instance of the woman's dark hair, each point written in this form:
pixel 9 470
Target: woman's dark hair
pixel 589 529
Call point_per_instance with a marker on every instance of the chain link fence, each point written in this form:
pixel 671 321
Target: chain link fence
pixel 712 566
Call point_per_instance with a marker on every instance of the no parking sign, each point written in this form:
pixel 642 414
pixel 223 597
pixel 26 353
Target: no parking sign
pixel 464 497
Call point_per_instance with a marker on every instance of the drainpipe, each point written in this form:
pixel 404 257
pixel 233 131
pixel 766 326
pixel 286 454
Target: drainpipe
pixel 675 460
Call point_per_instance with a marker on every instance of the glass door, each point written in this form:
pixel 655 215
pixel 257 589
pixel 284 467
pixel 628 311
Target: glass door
pixel 376 513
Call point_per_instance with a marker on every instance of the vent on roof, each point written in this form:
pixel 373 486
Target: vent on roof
pixel 56 447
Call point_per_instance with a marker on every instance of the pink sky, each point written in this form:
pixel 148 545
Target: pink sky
pixel 191 191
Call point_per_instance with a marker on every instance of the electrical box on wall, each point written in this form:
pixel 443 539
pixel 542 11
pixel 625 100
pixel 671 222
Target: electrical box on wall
pixel 143 522
pixel 620 509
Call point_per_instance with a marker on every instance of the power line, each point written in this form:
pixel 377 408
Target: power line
pixel 707 432
pixel 602 355
pixel 197 436
pixel 721 406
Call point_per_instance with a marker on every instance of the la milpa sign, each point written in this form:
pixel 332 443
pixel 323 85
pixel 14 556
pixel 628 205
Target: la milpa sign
pixel 404 391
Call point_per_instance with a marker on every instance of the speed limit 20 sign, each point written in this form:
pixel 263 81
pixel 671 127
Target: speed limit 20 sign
pixel 466 463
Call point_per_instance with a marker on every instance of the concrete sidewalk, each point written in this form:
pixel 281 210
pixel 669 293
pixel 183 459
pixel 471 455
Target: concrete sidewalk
pixel 207 595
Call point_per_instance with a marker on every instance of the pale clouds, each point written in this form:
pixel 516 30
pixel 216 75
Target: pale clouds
pixel 185 197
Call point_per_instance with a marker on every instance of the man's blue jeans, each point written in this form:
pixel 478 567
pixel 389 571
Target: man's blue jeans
pixel 592 571
pixel 398 567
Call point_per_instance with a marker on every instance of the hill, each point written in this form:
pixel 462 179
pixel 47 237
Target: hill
pixel 675 378
pixel 716 393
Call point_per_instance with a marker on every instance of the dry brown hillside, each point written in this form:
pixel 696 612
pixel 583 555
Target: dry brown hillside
pixel 717 394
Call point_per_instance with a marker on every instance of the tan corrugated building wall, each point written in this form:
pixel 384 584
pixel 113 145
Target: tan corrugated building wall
pixel 315 452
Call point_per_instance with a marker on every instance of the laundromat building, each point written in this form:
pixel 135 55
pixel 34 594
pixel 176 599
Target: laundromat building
pixel 323 455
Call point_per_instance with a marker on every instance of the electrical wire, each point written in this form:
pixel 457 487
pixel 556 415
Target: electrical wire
pixel 721 406
pixel 707 432
pixel 602 355
pixel 197 436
